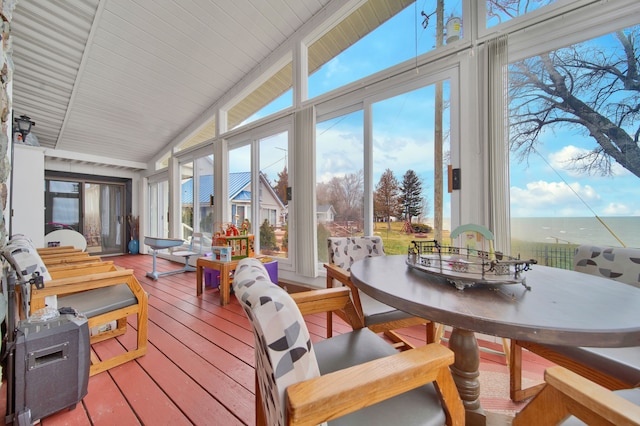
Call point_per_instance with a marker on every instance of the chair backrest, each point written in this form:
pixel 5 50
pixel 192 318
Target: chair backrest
pixel 344 251
pixel 284 354
pixel 616 263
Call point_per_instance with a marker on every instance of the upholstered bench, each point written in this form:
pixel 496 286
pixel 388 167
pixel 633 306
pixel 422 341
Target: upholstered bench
pixel 613 368
pixel 102 297
pixel 101 292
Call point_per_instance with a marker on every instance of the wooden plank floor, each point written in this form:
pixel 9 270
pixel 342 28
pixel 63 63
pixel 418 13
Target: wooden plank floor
pixel 199 364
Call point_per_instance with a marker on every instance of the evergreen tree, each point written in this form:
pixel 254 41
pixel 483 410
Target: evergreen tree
pixel 411 198
pixel 280 185
pixel 267 236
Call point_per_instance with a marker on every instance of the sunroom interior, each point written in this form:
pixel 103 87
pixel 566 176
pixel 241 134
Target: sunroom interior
pixel 290 119
pixel 118 101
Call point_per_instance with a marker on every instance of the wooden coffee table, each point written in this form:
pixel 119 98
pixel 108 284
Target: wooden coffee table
pixel 224 268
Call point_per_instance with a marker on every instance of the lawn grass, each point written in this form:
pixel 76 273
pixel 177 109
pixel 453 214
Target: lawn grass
pixel 396 241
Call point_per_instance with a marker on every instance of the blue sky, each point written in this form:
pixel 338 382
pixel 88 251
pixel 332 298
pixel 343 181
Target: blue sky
pixel 403 135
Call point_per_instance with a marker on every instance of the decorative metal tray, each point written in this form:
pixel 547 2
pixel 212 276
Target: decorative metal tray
pixel 465 267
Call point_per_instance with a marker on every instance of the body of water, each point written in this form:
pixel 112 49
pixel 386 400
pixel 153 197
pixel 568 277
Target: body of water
pixel 577 230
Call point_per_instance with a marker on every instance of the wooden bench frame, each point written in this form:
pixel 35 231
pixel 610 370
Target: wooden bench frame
pixel 88 282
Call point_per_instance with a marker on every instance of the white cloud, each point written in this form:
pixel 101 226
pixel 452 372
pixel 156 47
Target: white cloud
pixel 563 160
pixel 617 209
pixel 542 198
pixel 334 68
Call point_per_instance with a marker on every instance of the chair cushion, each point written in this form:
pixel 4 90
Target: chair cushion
pixel 632 395
pixel 346 350
pixel 98 301
pixel 376 312
pixel 621 363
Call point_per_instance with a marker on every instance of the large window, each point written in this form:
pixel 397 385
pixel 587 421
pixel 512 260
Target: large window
pixel 339 179
pixel 186 200
pixel 407 190
pixel 574 148
pixel 204 219
pixel 377 36
pixel 197 198
pixel 158 209
pixel 499 11
pixel 274 181
pixel 240 194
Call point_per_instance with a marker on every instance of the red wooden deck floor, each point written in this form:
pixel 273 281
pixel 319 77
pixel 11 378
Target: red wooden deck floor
pixel 199 364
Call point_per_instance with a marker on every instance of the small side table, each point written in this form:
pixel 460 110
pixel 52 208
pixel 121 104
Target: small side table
pixel 224 268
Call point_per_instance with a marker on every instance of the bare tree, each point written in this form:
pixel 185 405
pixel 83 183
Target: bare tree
pixel 353 195
pixel 593 88
pixel 424 209
pixel 386 198
pixel 513 8
pixel 345 194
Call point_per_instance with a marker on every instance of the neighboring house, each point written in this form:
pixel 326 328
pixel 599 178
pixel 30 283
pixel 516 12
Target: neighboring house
pixel 325 213
pixel 240 198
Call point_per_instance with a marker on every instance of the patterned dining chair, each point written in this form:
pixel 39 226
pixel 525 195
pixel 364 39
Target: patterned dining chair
pixel 379 317
pixel 370 382
pixel 613 368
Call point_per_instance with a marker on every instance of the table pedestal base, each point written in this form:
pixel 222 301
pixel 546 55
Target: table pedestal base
pixel 465 371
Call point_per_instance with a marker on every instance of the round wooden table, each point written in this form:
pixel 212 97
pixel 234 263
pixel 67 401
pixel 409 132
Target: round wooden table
pixel 562 307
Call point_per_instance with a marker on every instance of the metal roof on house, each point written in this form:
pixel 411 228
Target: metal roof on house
pixel 237 182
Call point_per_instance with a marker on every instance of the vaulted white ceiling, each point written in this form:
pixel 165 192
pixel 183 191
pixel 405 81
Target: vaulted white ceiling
pixel 122 79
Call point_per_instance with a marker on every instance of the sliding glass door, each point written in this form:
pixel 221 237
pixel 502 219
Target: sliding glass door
pixel 104 219
pixel 95 209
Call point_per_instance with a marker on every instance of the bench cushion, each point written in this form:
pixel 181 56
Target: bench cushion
pixel 96 302
pixel 340 352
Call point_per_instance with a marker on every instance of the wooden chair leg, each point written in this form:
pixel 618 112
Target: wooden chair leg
pixel 431 333
pixel 515 376
pixel 439 332
pixel 506 347
pixel 329 324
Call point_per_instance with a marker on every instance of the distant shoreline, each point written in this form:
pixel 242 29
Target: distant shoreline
pixel 578 230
